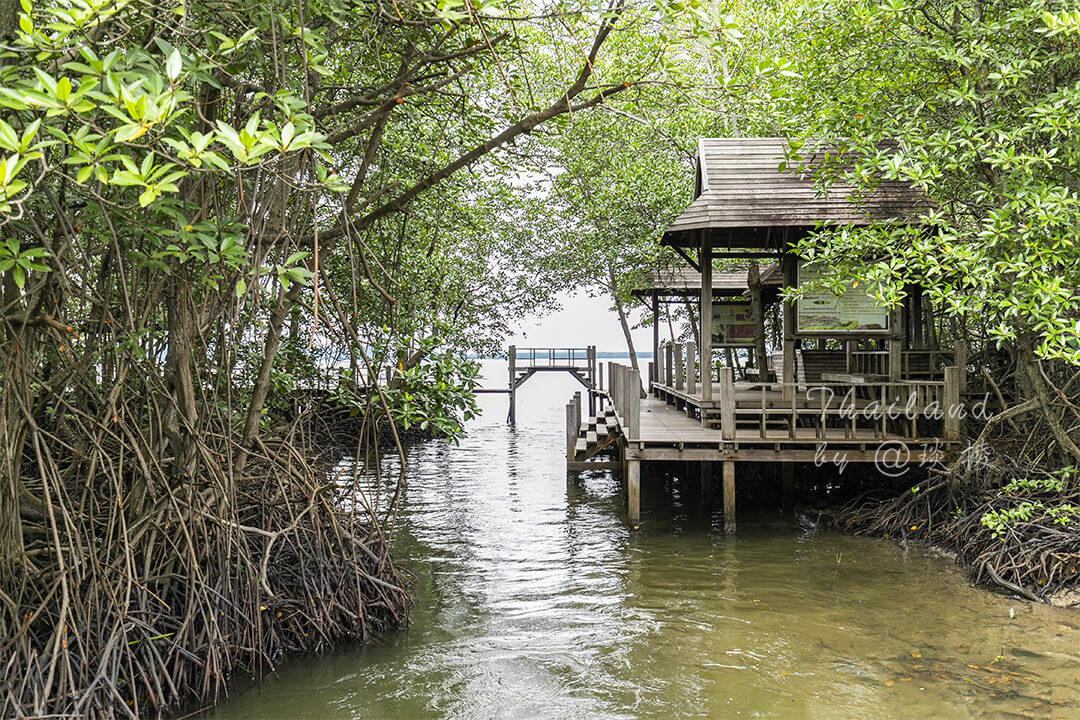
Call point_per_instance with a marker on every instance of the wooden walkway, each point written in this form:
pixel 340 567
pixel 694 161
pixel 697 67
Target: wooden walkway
pixel 789 423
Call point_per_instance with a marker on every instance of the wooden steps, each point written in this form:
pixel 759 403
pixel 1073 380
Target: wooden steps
pixel 595 435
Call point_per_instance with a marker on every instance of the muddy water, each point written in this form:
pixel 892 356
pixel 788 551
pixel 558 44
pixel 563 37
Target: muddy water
pixel 533 600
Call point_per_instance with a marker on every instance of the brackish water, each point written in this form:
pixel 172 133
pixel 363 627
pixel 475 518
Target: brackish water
pixel 534 600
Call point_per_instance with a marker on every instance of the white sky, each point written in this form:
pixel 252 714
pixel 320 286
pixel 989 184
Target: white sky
pixel 582 321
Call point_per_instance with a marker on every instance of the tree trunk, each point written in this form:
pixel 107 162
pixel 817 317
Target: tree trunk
pixel 183 415
pixel 623 322
pixel 1031 373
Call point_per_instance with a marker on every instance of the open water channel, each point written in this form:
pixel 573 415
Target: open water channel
pixel 534 600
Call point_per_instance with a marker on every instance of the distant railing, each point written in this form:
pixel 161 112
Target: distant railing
pixel 553 357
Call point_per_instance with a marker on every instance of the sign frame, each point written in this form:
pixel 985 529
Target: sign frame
pixel 886 314
pixel 741 340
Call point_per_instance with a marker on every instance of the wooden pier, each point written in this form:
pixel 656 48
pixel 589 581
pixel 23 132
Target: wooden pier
pixel 579 362
pixel 847 381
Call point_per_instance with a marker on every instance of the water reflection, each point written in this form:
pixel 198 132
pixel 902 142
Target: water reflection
pixel 534 601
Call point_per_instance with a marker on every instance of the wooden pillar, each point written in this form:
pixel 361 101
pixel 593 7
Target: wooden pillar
pixel 790 270
pixel 691 375
pixel 660 372
pixel 633 491
pixel 512 362
pixel 787 478
pixel 653 376
pixel 680 371
pixel 577 411
pixel 727 404
pixel 706 483
pixel 729 497
pixel 895 344
pixel 753 280
pixel 705 315
pixel 571 432
pixel 669 364
pixel 633 405
pixel 953 425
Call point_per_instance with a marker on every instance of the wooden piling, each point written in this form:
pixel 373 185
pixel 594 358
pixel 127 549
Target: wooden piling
pixel 633 491
pixel 512 362
pixel 571 432
pixel 729 497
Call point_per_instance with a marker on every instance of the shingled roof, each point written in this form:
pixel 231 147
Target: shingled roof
pixel 744 199
pixel 684 281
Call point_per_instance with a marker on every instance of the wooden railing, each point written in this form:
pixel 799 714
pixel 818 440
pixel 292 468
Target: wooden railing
pixel 896 408
pixel 922 364
pixel 679 366
pixel 553 357
pixel 624 392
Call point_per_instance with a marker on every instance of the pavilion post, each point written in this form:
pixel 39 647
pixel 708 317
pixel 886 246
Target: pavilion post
pixel 655 337
pixel 895 344
pixel 790 270
pixel 705 316
pixel 753 281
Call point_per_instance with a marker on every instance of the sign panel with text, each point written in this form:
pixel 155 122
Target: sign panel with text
pixel 732 324
pixel 820 311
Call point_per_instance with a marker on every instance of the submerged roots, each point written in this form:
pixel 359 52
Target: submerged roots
pixel 137 590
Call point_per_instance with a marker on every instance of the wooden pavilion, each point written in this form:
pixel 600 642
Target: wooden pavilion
pixel 852 378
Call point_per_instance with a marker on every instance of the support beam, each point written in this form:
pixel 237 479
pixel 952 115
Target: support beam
pixel 729 497
pixel 633 491
pixel 705 316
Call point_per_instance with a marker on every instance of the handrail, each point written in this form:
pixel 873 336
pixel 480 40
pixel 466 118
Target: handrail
pixel 904 404
pixel 624 390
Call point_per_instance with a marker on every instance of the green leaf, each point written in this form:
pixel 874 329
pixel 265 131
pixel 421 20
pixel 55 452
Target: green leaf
pixel 173 65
